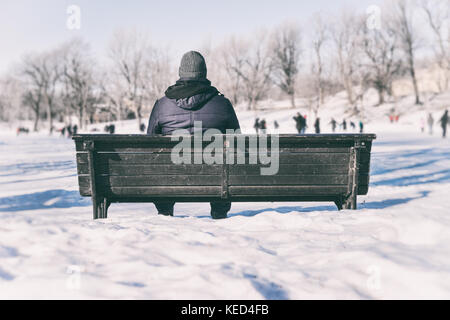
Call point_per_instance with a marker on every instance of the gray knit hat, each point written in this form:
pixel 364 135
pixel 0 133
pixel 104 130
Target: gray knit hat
pixel 192 66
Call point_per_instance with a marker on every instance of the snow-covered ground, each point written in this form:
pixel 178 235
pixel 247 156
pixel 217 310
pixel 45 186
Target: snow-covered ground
pixel 396 246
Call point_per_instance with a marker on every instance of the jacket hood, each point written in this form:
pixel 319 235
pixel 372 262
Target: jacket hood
pixel 191 94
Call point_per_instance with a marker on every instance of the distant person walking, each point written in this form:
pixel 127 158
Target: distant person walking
pixel 256 126
pixel 300 123
pixel 110 129
pixel 353 125
pixel 344 125
pixel 444 122
pixel 69 131
pixel 361 126
pixel 333 125
pixel 276 125
pixel 317 125
pixel 263 125
pixel 430 121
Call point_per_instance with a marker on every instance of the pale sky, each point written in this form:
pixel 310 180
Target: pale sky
pixel 35 25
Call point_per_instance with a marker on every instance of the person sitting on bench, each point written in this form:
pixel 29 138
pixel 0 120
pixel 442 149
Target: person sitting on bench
pixel 192 98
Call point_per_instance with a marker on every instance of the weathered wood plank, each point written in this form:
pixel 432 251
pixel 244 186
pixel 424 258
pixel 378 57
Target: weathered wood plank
pixel 83 168
pixel 150 181
pixel 287 190
pixel 147 170
pixel 84 183
pixel 303 158
pixel 144 141
pixel 165 158
pixel 258 180
pixel 139 158
pixel 191 191
pixel 160 139
pixel 82 157
pixel 291 169
pixel 299 149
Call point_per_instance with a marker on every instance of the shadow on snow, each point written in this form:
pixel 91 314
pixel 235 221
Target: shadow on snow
pixel 44 200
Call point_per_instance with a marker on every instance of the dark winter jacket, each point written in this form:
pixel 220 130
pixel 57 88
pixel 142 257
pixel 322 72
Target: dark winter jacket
pixel 188 101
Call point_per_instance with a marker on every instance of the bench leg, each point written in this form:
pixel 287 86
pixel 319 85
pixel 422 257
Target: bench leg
pixel 101 209
pixel 350 203
pixel 346 203
pixel 338 203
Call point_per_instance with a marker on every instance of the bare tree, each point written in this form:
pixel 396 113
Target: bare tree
pixel 319 37
pixel 382 62
pixel 159 73
pixel 345 38
pixel 42 73
pixel 254 68
pixel 33 98
pixel 286 42
pixel 11 91
pixel 78 79
pixel 232 53
pixel 115 94
pixel 403 23
pixel 131 53
pixel 438 16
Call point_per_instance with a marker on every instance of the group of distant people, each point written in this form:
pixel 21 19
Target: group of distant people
pixel 301 124
pixel 21 130
pixel 110 128
pixel 344 125
pixel 69 131
pixel 444 121
pixel 260 125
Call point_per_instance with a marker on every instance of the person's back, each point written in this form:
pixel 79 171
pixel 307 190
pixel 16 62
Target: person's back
pixel 192 99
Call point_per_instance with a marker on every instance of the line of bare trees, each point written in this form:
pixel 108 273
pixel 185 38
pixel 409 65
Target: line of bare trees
pixel 69 83
pixel 349 52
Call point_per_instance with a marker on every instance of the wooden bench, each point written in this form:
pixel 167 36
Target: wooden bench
pixel 139 168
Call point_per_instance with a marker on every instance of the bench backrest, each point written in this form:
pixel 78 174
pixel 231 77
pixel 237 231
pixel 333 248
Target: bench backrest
pixel 140 168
